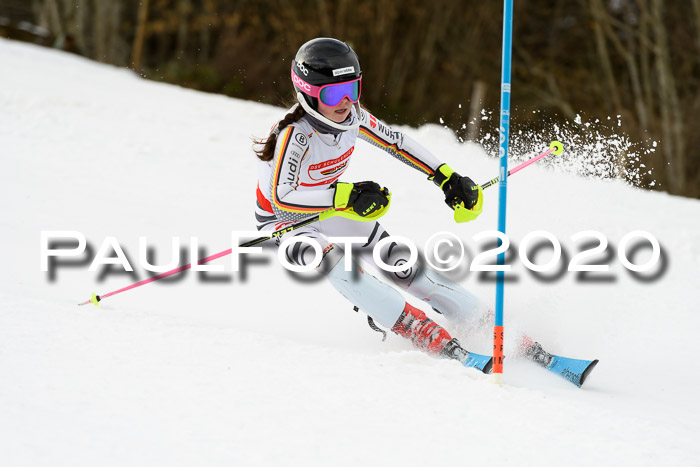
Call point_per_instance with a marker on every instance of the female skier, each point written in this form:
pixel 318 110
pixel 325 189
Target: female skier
pixel 299 165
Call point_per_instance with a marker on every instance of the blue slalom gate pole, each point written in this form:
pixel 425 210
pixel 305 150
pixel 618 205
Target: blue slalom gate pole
pixel 502 185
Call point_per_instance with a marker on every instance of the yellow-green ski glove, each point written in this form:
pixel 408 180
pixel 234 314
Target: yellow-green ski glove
pixel 461 194
pixel 365 199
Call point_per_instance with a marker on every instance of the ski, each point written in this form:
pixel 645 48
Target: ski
pixel 484 363
pixel 574 370
pixel 453 350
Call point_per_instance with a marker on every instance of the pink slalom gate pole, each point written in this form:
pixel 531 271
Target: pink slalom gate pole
pixel 555 148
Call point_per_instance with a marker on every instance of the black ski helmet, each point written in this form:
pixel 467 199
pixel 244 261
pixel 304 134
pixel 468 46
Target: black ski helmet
pixel 324 61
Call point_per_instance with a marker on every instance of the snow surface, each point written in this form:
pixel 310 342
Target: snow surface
pixel 265 370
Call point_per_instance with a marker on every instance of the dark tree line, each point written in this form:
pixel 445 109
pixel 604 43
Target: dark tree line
pixel 422 61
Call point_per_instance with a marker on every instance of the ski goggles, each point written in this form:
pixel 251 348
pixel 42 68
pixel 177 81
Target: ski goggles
pixel 330 94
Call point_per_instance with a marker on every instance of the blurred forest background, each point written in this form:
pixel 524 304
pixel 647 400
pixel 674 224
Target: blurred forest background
pixel 423 61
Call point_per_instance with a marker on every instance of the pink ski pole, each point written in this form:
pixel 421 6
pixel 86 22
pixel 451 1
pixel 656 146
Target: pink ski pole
pixel 95 299
pixel 555 148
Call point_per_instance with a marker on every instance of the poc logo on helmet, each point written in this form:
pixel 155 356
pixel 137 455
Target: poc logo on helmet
pixel 301 83
pixel 303 69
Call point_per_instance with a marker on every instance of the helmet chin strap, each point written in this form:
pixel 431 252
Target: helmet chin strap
pixel 317 115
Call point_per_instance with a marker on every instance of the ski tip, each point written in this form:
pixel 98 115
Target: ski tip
pixel 587 371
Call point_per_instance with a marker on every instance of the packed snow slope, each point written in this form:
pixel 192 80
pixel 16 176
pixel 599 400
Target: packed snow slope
pixel 267 370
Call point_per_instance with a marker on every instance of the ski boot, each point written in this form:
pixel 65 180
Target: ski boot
pixel 537 354
pixel 429 336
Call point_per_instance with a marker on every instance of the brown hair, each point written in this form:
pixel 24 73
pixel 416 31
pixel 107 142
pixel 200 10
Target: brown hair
pixel 268 145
